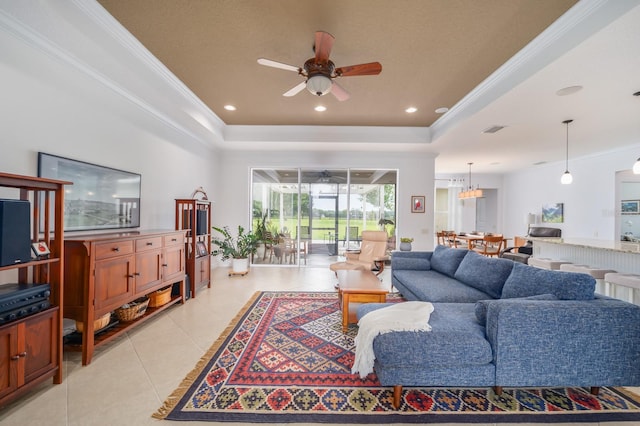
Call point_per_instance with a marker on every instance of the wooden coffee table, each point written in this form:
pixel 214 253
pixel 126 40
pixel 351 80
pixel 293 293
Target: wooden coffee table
pixel 355 288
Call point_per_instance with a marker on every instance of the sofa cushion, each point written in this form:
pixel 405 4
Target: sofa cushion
pixel 482 306
pixel 432 286
pixel 484 273
pixel 447 260
pixel 527 281
pixel 455 339
pixel 416 260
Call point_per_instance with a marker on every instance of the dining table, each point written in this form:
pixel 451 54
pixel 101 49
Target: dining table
pixel 471 238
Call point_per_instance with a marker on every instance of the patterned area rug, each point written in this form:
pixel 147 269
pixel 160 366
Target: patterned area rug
pixel 284 359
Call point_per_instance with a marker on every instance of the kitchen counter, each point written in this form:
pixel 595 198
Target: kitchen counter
pixel 621 256
pixel 622 246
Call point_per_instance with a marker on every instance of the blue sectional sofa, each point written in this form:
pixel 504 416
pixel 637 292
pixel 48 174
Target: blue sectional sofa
pixel 498 323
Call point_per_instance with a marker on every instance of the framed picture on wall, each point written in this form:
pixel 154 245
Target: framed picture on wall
pixel 553 213
pixel 630 207
pixel 417 204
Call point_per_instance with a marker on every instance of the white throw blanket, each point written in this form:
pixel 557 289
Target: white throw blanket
pixel 407 316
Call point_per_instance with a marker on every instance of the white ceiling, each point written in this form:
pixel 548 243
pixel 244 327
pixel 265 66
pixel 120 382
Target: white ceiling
pixel 595 44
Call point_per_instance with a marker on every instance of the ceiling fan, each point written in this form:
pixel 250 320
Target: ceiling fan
pixel 325 176
pixel 319 72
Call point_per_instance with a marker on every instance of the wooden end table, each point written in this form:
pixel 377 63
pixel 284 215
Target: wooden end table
pixel 357 287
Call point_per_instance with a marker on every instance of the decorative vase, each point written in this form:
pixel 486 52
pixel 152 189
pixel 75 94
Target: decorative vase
pixel 240 265
pixel 405 246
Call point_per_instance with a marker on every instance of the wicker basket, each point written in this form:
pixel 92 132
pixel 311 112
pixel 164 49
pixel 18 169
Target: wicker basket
pixel 160 297
pixel 132 310
pixel 98 324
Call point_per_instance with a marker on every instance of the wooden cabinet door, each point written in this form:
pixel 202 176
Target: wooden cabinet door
pixel 173 263
pixel 148 270
pixel 40 334
pixel 113 283
pixel 203 270
pixel 8 366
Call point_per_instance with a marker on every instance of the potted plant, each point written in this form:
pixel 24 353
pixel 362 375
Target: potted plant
pixel 405 243
pixel 238 249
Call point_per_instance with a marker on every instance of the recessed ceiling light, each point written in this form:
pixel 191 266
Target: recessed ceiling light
pixel 442 110
pixel 411 110
pixel 568 90
pixel 320 108
pixel 230 108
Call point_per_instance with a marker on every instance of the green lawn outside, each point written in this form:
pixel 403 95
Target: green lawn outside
pixel 320 234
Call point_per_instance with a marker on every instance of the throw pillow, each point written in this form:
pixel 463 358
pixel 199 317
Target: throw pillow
pixel 446 260
pixel 527 281
pixel 483 305
pixel 486 274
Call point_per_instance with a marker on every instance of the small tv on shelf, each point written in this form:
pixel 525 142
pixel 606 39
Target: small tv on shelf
pixel 100 197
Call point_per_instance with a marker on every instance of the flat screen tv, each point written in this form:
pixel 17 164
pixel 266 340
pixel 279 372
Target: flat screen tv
pixel 100 197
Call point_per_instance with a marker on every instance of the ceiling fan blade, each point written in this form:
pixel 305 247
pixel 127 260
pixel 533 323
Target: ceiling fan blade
pixel 274 64
pixel 297 89
pixel 371 68
pixel 339 92
pixel 324 43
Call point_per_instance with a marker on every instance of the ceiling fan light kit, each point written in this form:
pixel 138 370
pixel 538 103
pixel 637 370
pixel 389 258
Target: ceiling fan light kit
pixel 319 72
pixel 319 85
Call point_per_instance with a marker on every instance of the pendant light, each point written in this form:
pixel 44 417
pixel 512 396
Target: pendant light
pixel 470 192
pixel 566 178
pixel 636 166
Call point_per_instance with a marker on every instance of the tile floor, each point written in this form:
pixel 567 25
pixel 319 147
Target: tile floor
pixel 130 378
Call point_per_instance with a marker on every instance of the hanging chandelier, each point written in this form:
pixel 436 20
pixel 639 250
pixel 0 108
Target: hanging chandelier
pixel 470 192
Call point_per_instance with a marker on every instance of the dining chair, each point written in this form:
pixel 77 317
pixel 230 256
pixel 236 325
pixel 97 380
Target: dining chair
pixel 490 245
pixel 452 239
pixel 269 241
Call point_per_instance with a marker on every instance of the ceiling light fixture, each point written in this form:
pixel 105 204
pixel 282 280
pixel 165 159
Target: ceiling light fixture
pixel 568 90
pixel 229 107
pixel 566 178
pixel 636 166
pixel 442 110
pixel 319 84
pixel 493 129
pixel 411 110
pixel 470 192
pixel 320 108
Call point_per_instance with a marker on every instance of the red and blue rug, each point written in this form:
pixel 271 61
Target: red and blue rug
pixel 284 359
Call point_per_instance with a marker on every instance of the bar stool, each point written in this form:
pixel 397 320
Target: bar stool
pixel 630 281
pixel 602 287
pixel 544 263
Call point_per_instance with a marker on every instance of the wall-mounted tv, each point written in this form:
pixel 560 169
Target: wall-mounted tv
pixel 100 197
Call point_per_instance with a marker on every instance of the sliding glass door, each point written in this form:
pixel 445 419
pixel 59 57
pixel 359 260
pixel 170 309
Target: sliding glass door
pixel 311 216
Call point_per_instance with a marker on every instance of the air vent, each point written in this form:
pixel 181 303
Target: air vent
pixel 493 129
pixel 539 163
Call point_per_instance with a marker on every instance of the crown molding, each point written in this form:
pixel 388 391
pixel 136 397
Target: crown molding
pixel 326 137
pixel 584 19
pixel 22 24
